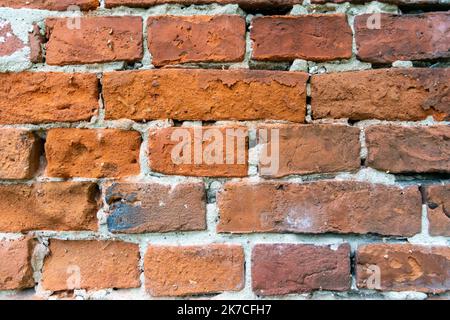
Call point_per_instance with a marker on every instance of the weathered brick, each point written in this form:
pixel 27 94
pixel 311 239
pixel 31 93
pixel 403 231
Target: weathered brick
pixel 37 97
pixel 305 149
pixel 188 270
pixel 399 149
pixel 397 2
pixel 90 264
pixel 319 207
pixel 61 206
pixel 180 39
pixel 199 151
pixel 403 37
pixel 403 267
pixel 386 94
pixel 10 43
pixel 317 37
pixel 92 153
pixel 153 207
pixel 205 95
pixel 36 40
pixel 19 154
pixel 438 201
pixel 60 5
pixel 97 40
pixel 245 4
pixel 296 268
pixel 16 271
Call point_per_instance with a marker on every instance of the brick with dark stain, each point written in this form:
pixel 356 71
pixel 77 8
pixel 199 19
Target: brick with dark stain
pixel 153 207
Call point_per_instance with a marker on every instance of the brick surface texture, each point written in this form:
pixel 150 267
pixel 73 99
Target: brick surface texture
pixel 224 149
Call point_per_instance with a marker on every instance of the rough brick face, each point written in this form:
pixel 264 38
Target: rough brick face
pixel 178 39
pixel 50 4
pixel 319 207
pixel 404 267
pixel 409 37
pixel 140 208
pixel 293 268
pixel 201 156
pixel 92 153
pixel 399 149
pixel 438 201
pixel 187 270
pixel 38 97
pixel 245 4
pixel 318 37
pixel 91 265
pixel 97 40
pixel 386 94
pixel 16 271
pixel 205 95
pixel 305 149
pixel 19 154
pixel 61 206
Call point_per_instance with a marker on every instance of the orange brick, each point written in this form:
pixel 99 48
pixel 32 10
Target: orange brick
pixel 39 97
pixel 187 270
pixel 95 153
pixel 403 267
pixel 201 156
pixel 317 37
pixel 97 40
pixel 306 149
pixel 319 207
pixel 61 206
pixel 19 154
pixel 16 271
pixel 209 95
pixel 181 39
pixel 91 265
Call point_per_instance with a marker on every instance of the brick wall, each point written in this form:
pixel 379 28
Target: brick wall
pixel 94 205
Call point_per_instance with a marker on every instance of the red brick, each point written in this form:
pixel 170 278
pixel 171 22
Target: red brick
pixel 19 154
pixel 205 95
pixel 96 264
pixel 92 153
pixel 16 271
pixel 60 5
pixel 10 43
pixel 153 207
pixel 386 94
pixel 60 206
pixel 38 97
pixel 296 268
pixel 36 40
pixel 245 4
pixel 188 270
pixel 98 40
pixel 397 2
pixel 399 149
pixel 317 37
pixel 181 39
pixel 403 267
pixel 319 207
pixel 407 37
pixel 438 201
pixel 167 154
pixel 305 149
